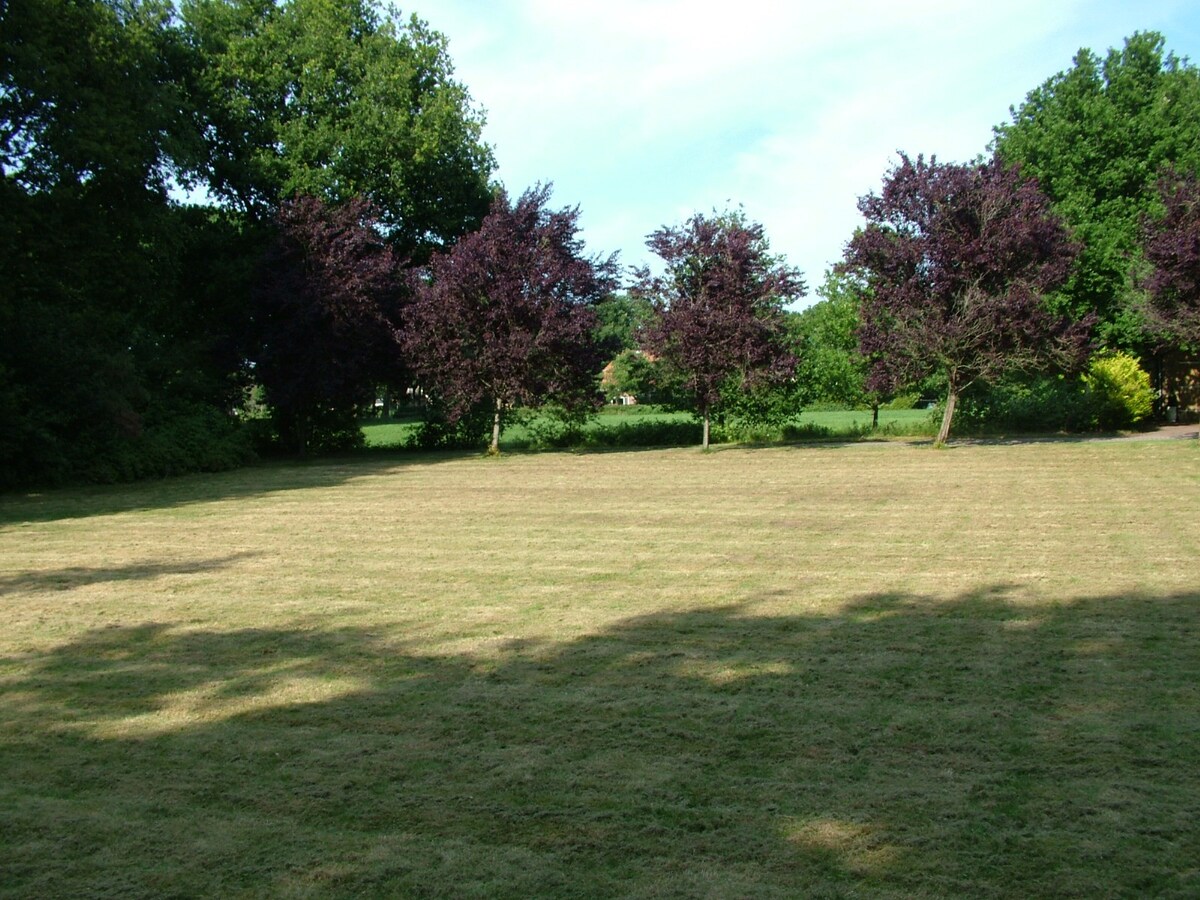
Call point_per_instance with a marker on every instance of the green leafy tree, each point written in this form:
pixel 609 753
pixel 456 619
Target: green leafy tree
pixel 1096 137
pixel 330 98
pixel 107 345
pixel 633 372
pixel 621 316
pixel 832 370
pixel 93 95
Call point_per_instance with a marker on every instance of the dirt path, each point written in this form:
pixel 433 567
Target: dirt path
pixel 1162 433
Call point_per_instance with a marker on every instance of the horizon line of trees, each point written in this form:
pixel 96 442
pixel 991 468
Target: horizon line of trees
pixel 354 245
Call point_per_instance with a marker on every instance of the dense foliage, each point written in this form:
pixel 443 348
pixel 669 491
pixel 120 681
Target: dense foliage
pixel 620 317
pixel 327 312
pixel 507 316
pixel 114 362
pixel 1118 391
pixel 957 259
pixel 1173 252
pixel 832 371
pixel 329 98
pixel 126 321
pixel 1113 393
pixel 1097 137
pixel 720 308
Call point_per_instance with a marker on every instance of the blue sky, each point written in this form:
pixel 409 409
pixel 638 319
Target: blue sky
pixel 643 112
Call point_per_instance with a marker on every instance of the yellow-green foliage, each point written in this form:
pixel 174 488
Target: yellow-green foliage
pixel 1119 389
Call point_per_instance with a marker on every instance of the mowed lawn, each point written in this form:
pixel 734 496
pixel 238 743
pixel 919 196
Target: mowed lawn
pixel 853 423
pixel 871 670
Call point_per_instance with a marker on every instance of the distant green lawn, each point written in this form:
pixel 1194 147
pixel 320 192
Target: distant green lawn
pixel 866 670
pixel 838 422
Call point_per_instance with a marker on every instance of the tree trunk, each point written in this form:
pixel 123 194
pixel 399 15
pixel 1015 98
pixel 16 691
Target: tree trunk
pixel 494 449
pixel 875 416
pixel 704 440
pixel 951 402
pixel 303 431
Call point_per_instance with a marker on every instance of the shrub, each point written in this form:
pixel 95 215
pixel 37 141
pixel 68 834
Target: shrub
pixel 1027 403
pixel 808 431
pixel 470 432
pixel 550 433
pixel 175 439
pixel 903 401
pixel 1118 391
pixel 646 434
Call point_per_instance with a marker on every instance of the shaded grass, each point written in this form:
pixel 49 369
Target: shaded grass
pixel 877 670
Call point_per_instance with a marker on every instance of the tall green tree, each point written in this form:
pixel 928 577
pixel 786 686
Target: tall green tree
pixel 1096 137
pixel 95 124
pixel 331 98
pixel 621 315
pixel 832 370
pixel 93 95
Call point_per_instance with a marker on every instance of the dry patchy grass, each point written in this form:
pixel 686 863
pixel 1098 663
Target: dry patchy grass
pixel 871 670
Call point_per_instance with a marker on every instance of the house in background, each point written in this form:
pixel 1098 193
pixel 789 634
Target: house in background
pixel 608 384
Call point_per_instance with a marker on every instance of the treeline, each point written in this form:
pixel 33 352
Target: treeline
pixel 1036 289
pixel 134 322
pixel 229 226
pixel 1113 146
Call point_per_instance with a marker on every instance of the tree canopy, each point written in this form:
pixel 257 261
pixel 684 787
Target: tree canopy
pixel 92 94
pixel 114 362
pixel 1172 244
pixel 832 370
pixel 127 321
pixel 327 310
pixel 1097 137
pixel 720 307
pixel 958 259
pixel 507 315
pixel 330 98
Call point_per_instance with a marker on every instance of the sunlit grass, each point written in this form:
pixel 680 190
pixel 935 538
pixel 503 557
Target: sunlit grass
pixel 867 670
pixel 828 423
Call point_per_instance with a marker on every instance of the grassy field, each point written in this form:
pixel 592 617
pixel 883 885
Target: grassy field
pixel 850 423
pixel 871 670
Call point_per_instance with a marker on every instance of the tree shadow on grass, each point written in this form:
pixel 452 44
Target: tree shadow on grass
pixel 183 490
pixel 77 576
pixel 904 746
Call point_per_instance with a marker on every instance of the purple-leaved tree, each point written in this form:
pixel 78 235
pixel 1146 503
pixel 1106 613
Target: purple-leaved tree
pixel 958 259
pixel 506 317
pixel 720 306
pixel 325 310
pixel 1173 249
